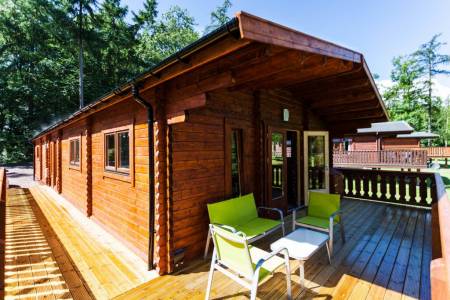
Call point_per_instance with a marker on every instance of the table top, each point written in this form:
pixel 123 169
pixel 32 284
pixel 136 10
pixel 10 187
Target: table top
pixel 301 243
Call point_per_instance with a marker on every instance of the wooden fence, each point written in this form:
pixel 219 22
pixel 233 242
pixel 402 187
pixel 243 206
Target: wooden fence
pixel 437 152
pixel 395 187
pixel 383 158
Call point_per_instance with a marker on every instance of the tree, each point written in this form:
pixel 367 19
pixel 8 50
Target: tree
pixel 404 97
pixel 219 16
pixel 43 43
pixel 117 56
pixel 175 30
pixel 431 63
pixel 81 9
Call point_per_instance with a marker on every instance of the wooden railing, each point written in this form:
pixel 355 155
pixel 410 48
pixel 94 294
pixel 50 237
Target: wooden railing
pixel 382 158
pixel 437 152
pixel 403 188
pixel 440 265
pixel 3 184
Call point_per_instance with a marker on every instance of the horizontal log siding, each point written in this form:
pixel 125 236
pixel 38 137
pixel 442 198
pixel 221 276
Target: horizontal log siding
pixel 401 144
pixel 74 183
pixel 122 205
pixel 199 155
pixel 362 143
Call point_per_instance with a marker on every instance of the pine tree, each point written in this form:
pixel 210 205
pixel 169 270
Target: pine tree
pixel 431 63
pixel 219 16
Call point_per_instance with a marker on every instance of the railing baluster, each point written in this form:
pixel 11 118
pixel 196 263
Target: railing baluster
pixel 423 190
pixel 401 188
pixel 397 187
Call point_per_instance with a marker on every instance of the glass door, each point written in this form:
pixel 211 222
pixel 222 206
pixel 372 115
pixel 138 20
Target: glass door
pixel 277 168
pixel 316 162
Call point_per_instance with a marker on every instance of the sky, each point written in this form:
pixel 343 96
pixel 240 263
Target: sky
pixel 380 29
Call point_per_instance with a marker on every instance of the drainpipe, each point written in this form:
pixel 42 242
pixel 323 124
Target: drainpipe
pixel 151 173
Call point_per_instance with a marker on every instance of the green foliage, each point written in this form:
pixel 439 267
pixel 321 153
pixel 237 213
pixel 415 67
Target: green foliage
pixel 167 35
pixel 219 16
pixel 412 98
pixel 39 47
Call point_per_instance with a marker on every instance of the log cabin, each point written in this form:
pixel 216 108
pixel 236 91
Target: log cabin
pixel 251 107
pixel 395 135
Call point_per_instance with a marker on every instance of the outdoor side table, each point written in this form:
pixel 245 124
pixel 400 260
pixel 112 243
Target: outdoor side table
pixel 302 244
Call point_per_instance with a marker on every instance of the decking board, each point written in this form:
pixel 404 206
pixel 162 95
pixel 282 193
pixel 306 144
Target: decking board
pixel 379 237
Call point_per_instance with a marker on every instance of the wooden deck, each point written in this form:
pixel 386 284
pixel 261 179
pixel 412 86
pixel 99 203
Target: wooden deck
pixel 36 266
pixel 387 256
pixel 51 254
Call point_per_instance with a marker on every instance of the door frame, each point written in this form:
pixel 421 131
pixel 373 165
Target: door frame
pixel 268 182
pixel 307 134
pixel 282 201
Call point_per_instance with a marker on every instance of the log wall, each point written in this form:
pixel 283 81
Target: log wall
pixel 200 154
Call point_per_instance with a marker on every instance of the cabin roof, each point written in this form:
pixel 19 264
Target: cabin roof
pixel 387 127
pixel 418 135
pixel 336 81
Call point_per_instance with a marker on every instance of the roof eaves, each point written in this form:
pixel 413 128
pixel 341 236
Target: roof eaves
pixel 231 27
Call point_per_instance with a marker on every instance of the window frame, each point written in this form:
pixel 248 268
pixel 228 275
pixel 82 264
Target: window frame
pixel 242 126
pixel 73 162
pixel 72 165
pixel 117 169
pixel 237 134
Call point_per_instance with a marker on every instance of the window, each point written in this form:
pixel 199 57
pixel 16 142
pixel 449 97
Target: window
pixel 75 152
pixel 236 162
pixel 117 151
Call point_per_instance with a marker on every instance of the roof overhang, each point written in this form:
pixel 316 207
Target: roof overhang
pixel 332 81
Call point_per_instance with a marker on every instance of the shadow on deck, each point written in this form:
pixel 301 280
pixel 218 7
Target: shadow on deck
pixel 387 255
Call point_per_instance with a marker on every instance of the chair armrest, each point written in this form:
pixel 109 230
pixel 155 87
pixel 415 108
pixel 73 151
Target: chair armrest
pixel 294 212
pixel 270 255
pixel 338 212
pixel 279 211
pixel 333 215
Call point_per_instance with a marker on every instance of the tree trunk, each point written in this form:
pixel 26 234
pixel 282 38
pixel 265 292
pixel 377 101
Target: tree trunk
pixel 80 57
pixel 430 102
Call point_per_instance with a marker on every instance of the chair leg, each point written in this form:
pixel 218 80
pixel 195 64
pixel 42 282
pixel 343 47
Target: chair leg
pixel 211 274
pixel 283 229
pixel 294 217
pixel 254 289
pixel 330 242
pixel 328 252
pixel 208 240
pixel 301 271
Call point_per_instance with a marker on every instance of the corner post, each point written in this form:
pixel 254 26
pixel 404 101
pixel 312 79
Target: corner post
pixel 162 254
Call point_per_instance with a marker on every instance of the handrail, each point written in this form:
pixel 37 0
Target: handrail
pixel 411 158
pixel 416 189
pixel 440 265
pixel 3 184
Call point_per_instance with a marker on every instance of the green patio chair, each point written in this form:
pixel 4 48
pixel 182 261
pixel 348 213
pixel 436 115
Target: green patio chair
pixel 323 212
pixel 243 263
pixel 241 214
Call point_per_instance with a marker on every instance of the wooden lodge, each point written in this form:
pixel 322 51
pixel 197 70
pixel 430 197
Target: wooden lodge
pixel 395 135
pixel 384 144
pixel 249 108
